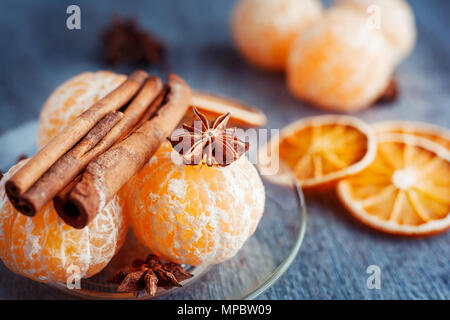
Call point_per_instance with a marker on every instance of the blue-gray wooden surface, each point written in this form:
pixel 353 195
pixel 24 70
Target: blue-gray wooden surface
pixel 37 53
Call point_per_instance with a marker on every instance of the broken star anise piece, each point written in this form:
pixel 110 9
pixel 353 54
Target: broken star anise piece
pixel 215 145
pixel 150 274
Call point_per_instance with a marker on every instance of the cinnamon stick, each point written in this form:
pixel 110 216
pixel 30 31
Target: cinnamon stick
pixel 22 180
pixel 63 170
pixel 97 141
pixel 104 176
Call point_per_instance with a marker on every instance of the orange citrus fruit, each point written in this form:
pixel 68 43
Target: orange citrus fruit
pixel 320 150
pixel 405 191
pixel 339 63
pixel 45 249
pixel 435 134
pixel 73 97
pixel 395 19
pixel 194 214
pixel 263 30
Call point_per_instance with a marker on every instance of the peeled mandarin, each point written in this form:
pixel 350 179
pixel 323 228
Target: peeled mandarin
pixel 396 21
pixel 194 214
pixel 73 97
pixel 263 30
pixel 45 249
pixel 339 63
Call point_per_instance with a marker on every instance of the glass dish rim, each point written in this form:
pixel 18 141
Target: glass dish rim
pixel 284 266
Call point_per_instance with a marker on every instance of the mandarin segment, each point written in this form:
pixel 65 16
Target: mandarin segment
pixel 406 190
pixel 263 30
pixel 339 63
pixel 194 214
pixel 44 248
pixel 73 97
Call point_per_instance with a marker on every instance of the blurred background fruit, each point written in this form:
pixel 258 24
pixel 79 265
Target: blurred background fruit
pixel 263 30
pixel 45 249
pixel 339 63
pixel 397 22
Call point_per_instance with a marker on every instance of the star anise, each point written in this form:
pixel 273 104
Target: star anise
pixel 215 145
pixel 149 274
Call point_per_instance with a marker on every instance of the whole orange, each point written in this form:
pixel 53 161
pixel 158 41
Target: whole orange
pixel 194 214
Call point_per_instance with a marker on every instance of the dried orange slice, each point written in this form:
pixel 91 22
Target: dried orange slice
pixel 405 191
pixel 320 150
pixel 436 134
pixel 241 115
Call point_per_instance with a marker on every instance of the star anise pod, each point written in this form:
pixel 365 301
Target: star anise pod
pixel 215 145
pixel 150 274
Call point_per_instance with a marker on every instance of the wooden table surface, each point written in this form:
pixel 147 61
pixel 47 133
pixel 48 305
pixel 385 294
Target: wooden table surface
pixel 38 52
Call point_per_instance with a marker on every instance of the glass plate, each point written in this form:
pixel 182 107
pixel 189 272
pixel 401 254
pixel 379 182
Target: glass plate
pixel 257 266
pixel 262 260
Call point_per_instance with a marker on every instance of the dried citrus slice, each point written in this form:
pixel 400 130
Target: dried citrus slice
pixel 241 115
pixel 406 190
pixel 320 150
pixel 436 134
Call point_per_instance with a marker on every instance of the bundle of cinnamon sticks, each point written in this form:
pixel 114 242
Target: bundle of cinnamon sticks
pixel 84 166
